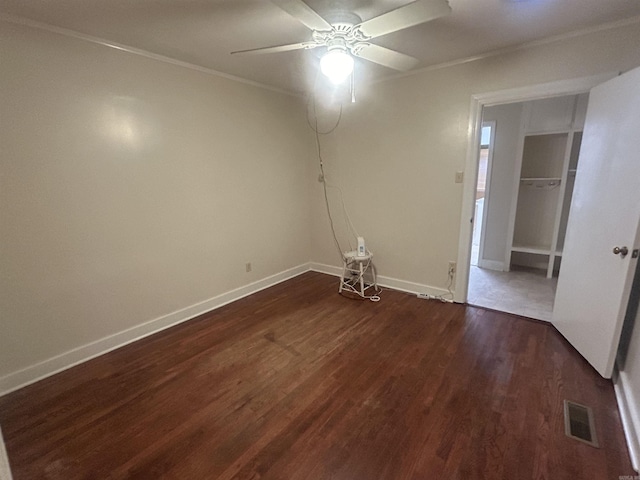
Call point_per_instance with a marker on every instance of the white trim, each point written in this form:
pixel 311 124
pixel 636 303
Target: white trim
pixel 76 356
pixel 53 365
pixel 16 20
pixel 469 185
pixel 324 268
pixel 522 46
pixel 630 418
pixel 491 265
pixel 384 281
pixel 571 86
pixel 478 101
pixel 487 185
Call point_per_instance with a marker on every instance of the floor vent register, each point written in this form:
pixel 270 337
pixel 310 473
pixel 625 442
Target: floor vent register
pixel 579 424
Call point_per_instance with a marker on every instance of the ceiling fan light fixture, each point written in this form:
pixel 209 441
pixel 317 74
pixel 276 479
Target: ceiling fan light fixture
pixel 336 64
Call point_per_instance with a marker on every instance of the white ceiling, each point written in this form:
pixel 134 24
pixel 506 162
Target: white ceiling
pixel 204 32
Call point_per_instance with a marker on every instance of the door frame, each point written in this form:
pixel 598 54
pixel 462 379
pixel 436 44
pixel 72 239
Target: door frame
pixel 487 186
pixel 478 102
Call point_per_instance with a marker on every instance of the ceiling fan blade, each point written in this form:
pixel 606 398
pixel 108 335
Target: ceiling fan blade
pixel 385 56
pixel 277 48
pixel 407 16
pixel 303 13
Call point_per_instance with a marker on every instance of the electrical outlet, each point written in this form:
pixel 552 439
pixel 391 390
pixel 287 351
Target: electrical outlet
pixel 247 267
pixel 452 268
pixel 459 177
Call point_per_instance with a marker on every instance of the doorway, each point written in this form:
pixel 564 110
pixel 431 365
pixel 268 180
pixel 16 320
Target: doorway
pixel 504 278
pixel 488 241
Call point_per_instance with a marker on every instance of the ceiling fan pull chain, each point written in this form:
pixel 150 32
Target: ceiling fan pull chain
pixel 353 85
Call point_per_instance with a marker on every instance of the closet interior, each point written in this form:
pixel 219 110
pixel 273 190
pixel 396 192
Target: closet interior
pixel 549 144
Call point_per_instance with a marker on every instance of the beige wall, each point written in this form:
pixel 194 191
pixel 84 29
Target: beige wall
pixel 132 188
pixel 497 207
pixel 400 145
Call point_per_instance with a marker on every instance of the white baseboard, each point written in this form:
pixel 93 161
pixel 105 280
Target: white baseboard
pixel 324 268
pixel 491 265
pixel 68 359
pixel 383 281
pixel 51 366
pixel 630 414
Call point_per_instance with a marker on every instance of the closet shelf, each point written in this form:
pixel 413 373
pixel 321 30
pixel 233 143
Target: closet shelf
pixel 546 183
pixel 539 249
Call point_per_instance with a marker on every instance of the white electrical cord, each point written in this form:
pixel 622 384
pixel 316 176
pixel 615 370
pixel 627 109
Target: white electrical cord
pixel 351 284
pixel 443 298
pixel 347 218
pixel 325 185
pixel 450 293
pixel 323 178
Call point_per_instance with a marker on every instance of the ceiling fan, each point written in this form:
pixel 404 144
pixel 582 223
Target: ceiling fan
pixel 345 35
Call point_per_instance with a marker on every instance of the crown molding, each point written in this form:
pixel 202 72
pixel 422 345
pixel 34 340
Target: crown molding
pixel 17 20
pixel 523 46
pixel 161 58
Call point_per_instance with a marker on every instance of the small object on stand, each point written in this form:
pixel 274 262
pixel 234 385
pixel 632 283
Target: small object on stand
pixel 362 250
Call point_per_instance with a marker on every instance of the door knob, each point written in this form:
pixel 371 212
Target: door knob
pixel 622 251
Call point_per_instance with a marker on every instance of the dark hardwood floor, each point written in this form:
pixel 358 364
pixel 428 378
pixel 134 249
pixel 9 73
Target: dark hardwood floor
pixel 297 382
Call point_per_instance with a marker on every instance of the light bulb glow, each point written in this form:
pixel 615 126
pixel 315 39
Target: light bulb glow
pixel 336 64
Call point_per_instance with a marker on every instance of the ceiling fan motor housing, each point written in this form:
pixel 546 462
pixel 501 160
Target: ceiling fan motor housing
pixel 343 36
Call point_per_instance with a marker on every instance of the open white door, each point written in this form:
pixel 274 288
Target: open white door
pixel 594 283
